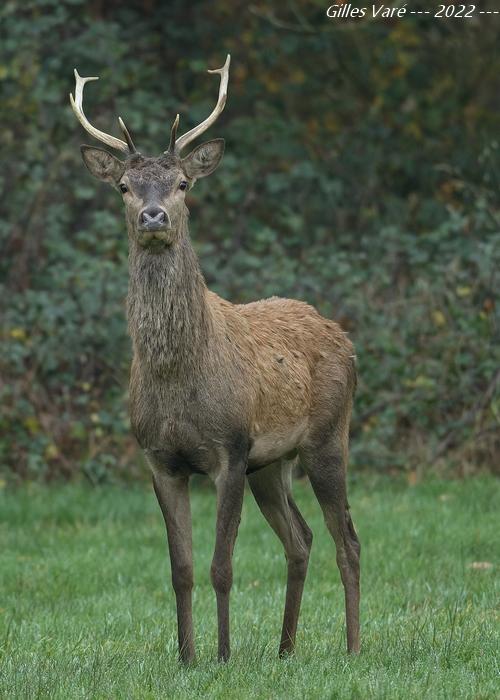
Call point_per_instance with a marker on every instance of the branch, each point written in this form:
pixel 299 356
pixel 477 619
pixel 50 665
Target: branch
pixel 468 417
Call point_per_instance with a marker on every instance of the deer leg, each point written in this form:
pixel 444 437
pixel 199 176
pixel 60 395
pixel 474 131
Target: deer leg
pixel 271 487
pixel 230 485
pixel 173 496
pixel 326 469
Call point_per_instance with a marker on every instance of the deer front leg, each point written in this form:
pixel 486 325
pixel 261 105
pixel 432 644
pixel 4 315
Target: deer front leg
pixel 173 497
pixel 230 488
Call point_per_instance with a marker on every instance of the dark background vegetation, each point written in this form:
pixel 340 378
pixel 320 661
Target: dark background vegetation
pixel 361 174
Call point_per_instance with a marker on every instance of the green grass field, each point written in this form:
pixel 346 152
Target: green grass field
pixel 86 608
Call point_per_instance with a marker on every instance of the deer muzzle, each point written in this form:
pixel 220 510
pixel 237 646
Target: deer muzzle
pixel 155 228
pixel 154 219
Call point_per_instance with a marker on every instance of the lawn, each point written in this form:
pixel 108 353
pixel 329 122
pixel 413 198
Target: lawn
pixel 86 608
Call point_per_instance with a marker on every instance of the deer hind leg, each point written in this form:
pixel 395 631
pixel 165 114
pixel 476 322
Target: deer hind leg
pixel 230 485
pixel 326 468
pixel 271 487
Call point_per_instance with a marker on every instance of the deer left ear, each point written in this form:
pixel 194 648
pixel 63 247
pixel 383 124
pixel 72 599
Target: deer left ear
pixel 204 159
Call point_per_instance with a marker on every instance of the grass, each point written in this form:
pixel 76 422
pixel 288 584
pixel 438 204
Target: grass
pixel 86 608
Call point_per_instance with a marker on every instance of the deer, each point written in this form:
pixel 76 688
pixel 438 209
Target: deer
pixel 236 392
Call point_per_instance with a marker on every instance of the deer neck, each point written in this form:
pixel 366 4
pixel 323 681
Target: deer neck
pixel 169 318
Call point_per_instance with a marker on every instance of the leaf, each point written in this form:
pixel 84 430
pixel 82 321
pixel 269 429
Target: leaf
pixel 439 318
pixel 32 424
pixel 18 334
pixel 51 451
pixel 412 478
pixel 420 382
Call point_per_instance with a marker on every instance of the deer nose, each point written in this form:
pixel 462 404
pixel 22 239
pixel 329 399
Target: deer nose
pixel 152 217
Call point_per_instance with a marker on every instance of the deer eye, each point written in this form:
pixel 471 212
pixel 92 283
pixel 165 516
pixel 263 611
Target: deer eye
pixel 123 188
pixel 183 185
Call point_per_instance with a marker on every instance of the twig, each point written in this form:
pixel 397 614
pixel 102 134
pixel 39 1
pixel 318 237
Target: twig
pixel 279 24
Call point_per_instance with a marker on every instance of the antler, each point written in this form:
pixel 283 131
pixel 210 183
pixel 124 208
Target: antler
pixel 177 145
pixel 77 105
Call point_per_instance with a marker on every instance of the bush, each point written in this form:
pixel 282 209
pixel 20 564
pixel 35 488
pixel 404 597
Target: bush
pixel 361 174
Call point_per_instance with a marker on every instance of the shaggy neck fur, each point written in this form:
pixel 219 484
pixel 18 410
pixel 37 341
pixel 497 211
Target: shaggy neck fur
pixel 168 316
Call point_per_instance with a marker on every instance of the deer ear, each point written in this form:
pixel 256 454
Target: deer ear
pixel 102 165
pixel 204 159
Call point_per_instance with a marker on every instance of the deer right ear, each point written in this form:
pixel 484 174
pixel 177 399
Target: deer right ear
pixel 102 165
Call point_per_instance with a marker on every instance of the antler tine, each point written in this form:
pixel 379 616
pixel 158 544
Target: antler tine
pixel 189 136
pixel 128 138
pixel 77 106
pixel 173 133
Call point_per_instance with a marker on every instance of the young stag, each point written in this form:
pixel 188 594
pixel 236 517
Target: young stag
pixel 231 391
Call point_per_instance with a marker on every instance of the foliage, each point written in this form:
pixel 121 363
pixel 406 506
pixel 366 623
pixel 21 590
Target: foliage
pixel 361 174
pixel 88 609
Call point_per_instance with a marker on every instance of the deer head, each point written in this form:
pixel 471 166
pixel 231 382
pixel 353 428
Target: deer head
pixel 153 189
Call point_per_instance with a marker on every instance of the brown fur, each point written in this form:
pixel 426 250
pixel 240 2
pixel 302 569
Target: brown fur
pixel 229 390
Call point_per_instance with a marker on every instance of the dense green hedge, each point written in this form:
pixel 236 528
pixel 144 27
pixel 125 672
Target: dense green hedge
pixel 361 174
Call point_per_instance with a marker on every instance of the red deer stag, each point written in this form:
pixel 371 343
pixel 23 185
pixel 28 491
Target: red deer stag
pixel 231 391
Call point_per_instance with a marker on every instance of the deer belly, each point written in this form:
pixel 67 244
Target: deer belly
pixel 270 446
